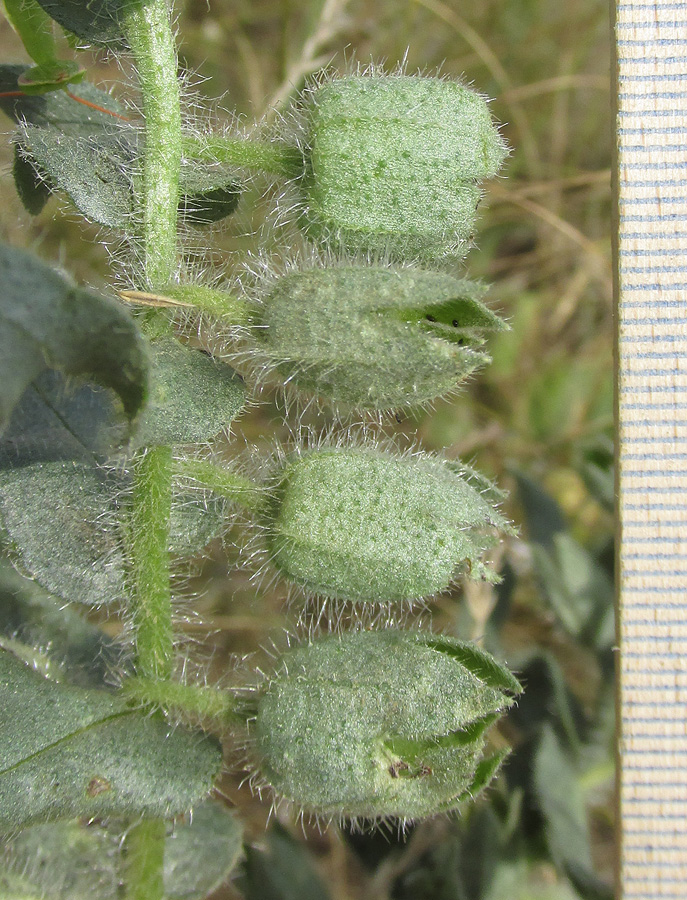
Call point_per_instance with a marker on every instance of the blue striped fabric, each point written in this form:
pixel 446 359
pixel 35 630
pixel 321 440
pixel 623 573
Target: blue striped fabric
pixel 651 44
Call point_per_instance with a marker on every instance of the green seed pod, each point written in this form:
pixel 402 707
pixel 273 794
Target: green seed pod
pixel 362 524
pixel 377 724
pixel 393 163
pixel 373 337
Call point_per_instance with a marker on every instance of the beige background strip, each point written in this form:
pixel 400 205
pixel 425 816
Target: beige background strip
pixel 651 47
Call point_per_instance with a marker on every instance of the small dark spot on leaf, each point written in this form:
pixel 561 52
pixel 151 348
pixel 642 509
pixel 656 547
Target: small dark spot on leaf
pixel 397 767
pixel 430 318
pixel 98 785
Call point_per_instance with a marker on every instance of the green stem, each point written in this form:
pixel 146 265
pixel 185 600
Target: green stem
pixel 149 539
pixel 149 34
pixel 271 157
pixel 222 481
pixel 191 700
pixel 145 850
pixel 215 302
pixel 152 614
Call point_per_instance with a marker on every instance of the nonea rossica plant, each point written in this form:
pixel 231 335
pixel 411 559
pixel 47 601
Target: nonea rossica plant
pixel 374 725
pixel 106 488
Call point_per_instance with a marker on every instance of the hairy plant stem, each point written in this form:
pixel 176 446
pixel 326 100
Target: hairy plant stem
pixel 271 157
pixel 195 701
pixel 145 850
pixel 149 537
pixel 149 33
pixel 148 30
pixel 222 481
pixel 151 606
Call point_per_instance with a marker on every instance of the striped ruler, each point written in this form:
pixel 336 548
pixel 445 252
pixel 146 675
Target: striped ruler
pixel 651 47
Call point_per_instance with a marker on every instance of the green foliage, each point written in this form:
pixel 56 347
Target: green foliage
pixel 418 333
pixel 52 514
pixel 98 21
pixel 378 724
pixel 201 854
pixel 48 322
pixel 281 871
pixel 79 652
pixel 69 751
pixel 370 525
pixel 75 861
pixel 192 397
pixel 381 172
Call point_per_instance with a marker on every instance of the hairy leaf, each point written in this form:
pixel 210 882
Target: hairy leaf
pixel 65 861
pixel 79 651
pixel 79 861
pixel 96 21
pixel 283 871
pixel 201 854
pixel 98 113
pixel 47 322
pixel 56 516
pixel 32 189
pixel 207 195
pixel 192 396
pixel 95 171
pixel 195 521
pixel 87 148
pixel 55 420
pixel 66 751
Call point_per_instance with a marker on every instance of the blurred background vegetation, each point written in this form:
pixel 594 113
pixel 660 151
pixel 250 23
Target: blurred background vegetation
pixel 539 420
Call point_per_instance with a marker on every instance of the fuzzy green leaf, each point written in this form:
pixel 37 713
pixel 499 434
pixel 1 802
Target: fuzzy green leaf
pixel 97 21
pixel 57 109
pixel 47 322
pixel 56 515
pixel 61 519
pixel 82 653
pixel 32 189
pixel 89 151
pixel 207 196
pixel 78 861
pixel 283 870
pixel 65 861
pixel 54 420
pixel 201 854
pixel 67 751
pixel 192 396
pixel 195 521
pixel 85 149
pixel 95 171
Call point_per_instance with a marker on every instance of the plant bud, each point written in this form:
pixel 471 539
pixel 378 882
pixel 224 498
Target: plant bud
pixel 366 525
pixel 393 163
pixel 377 724
pixel 372 337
